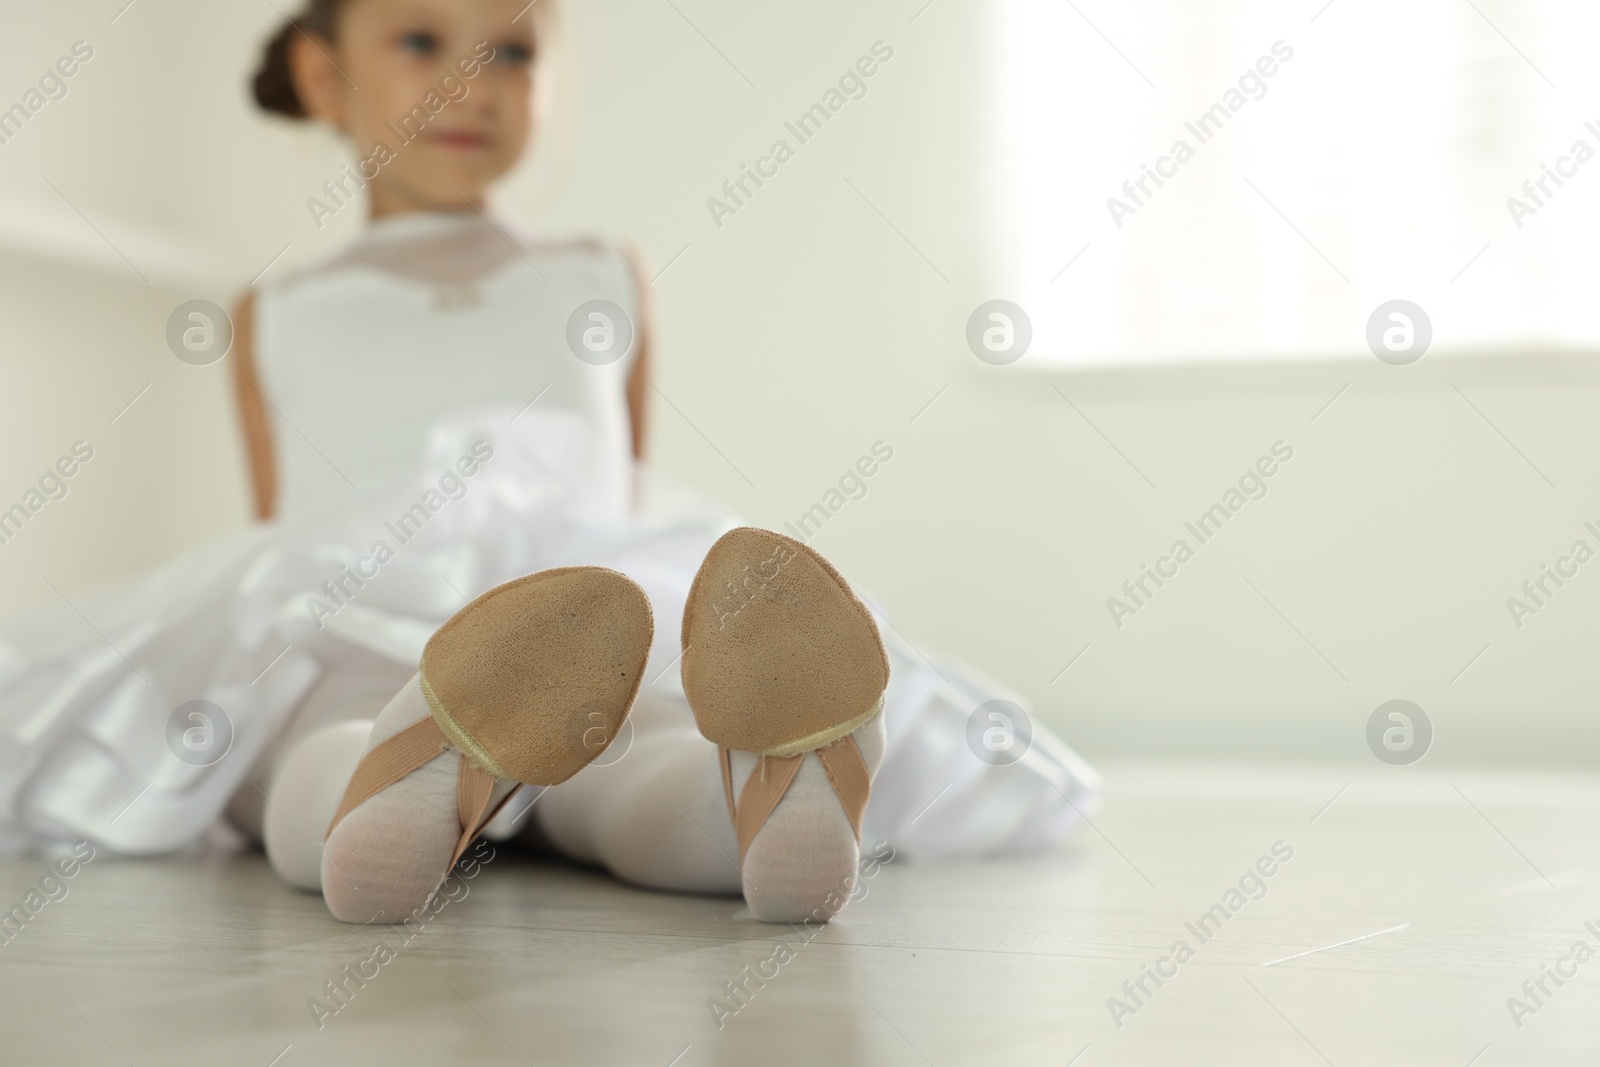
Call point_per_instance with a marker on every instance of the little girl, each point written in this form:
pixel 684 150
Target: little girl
pixel 531 568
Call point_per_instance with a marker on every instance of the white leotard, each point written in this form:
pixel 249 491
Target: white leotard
pixel 428 314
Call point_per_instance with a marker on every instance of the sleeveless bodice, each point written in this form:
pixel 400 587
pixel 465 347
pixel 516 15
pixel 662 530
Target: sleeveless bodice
pixel 425 315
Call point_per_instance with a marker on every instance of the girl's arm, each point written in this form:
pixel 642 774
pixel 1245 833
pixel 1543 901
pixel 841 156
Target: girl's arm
pixel 639 376
pixel 253 410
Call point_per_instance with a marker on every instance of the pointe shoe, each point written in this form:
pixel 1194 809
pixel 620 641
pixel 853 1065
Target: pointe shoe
pixel 785 671
pixel 527 684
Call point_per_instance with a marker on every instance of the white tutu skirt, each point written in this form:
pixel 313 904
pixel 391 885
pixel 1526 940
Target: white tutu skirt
pixel 131 716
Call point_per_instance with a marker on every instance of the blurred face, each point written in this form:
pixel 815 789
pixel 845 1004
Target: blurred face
pixel 438 96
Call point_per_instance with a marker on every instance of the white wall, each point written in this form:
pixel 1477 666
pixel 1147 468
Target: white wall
pixel 800 333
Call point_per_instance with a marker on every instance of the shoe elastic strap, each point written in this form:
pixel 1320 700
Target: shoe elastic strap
pixel 474 788
pixel 389 762
pixel 767 784
pixel 411 748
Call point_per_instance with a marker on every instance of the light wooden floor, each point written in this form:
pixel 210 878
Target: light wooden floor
pixel 1479 880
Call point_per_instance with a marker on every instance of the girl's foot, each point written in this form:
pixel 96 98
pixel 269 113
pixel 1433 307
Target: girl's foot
pixel 785 671
pixel 528 683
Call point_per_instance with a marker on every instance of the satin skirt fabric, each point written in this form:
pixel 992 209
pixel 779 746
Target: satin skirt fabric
pixel 132 716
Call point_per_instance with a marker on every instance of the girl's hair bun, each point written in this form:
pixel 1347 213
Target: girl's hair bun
pixel 273 84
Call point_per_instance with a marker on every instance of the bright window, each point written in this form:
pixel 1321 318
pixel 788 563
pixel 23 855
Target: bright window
pixel 1246 180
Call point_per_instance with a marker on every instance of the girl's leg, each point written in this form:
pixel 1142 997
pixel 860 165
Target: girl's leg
pixel 304 793
pixel 650 809
pixel 523 683
pixel 388 855
pixel 804 862
pixel 657 816
pixel 354 689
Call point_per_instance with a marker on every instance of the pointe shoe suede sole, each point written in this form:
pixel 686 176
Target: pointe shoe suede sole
pixel 533 679
pixel 780 657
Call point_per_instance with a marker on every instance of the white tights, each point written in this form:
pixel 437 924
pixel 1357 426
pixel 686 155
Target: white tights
pixel 651 810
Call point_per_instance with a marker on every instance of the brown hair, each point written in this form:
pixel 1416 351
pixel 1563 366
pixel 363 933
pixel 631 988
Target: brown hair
pixel 273 84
